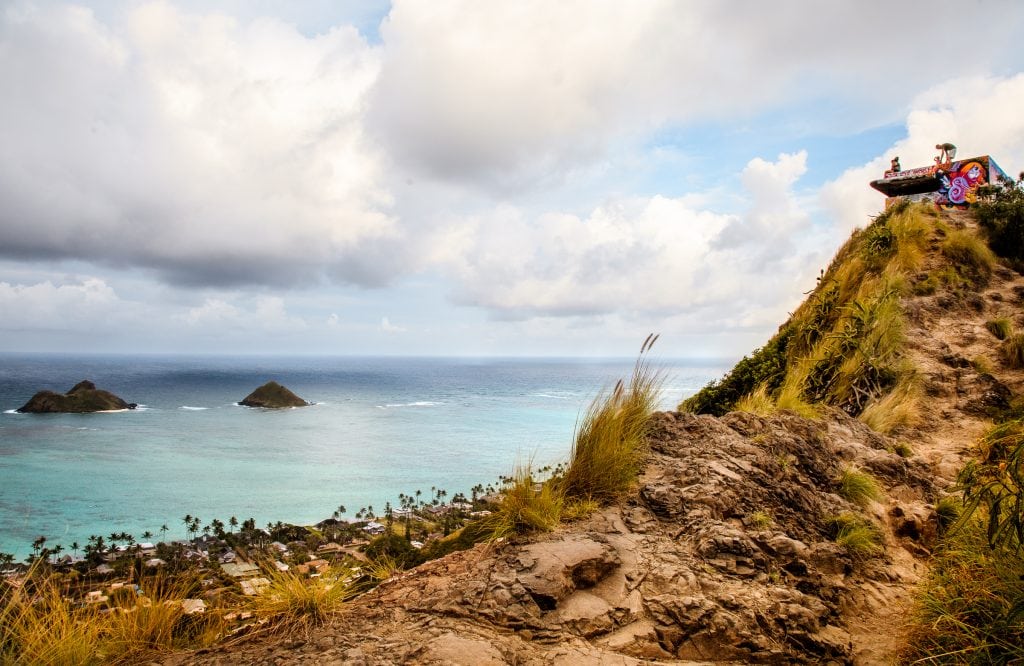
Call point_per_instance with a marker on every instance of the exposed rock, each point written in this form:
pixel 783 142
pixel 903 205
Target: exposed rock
pixel 83 398
pixel 273 396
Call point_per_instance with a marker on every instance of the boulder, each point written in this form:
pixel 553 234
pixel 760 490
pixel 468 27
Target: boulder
pixel 273 396
pixel 84 397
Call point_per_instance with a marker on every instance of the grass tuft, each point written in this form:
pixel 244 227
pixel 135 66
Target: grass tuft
pixel 1012 350
pixel 1000 327
pixel 610 440
pixel 900 408
pixel 38 626
pixel 579 508
pixel 526 506
pixel 970 254
pixel 860 537
pixel 760 520
pixel 382 567
pixel 293 602
pixel 948 510
pixel 757 402
pixel 858 487
pixel 860 541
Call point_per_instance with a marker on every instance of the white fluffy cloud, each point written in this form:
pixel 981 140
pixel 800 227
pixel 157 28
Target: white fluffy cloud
pixel 210 151
pixel 648 255
pixel 980 115
pixel 508 94
pixel 88 303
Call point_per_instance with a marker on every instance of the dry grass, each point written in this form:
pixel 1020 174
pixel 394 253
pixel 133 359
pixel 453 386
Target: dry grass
pixel 579 508
pixel 293 602
pixel 526 506
pixel 39 626
pixel 900 408
pixel 970 254
pixel 757 402
pixel 382 568
pixel 610 440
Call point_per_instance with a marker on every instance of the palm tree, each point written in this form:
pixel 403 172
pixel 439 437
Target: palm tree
pixel 37 544
pixel 147 535
pixel 163 532
pixel 233 522
pixel 188 523
pixel 74 548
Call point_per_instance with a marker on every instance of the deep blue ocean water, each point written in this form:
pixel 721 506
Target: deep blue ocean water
pixel 381 426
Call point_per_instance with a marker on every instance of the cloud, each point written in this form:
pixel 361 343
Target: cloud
pixel 981 115
pixel 387 327
pixel 212 152
pixel 88 304
pixel 654 255
pixel 265 314
pixel 514 94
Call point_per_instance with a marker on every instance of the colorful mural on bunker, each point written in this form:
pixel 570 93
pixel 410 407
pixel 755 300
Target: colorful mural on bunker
pixel 959 186
pixel 949 184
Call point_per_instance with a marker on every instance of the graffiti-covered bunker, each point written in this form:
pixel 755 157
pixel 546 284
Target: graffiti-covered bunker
pixel 948 183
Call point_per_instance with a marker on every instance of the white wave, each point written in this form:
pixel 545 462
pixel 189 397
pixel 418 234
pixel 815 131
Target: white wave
pixel 187 408
pixel 10 411
pixel 418 403
pixel 549 395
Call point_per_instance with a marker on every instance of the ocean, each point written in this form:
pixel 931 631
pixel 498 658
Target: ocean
pixel 380 427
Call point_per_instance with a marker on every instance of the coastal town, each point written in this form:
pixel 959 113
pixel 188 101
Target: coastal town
pixel 221 566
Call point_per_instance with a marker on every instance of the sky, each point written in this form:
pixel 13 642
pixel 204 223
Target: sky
pixel 464 178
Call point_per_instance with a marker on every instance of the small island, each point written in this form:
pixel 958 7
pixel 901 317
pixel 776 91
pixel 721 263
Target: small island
pixel 83 398
pixel 273 396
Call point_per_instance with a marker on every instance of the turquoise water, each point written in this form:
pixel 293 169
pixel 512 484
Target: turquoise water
pixel 380 426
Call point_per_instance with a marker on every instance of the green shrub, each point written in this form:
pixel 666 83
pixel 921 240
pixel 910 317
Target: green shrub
pixel 1000 327
pixel 1001 216
pixel 994 485
pixel 764 367
pixel 970 608
pixel 395 547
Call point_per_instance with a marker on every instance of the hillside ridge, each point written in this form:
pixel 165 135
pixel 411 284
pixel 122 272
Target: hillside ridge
pixel 736 545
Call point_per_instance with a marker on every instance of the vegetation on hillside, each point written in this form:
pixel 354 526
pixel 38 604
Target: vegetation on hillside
pixel 842 347
pixel 971 608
